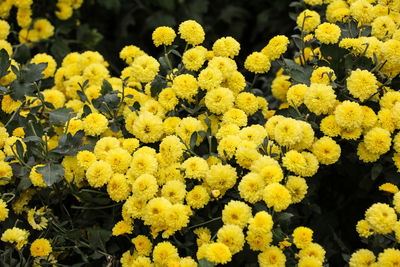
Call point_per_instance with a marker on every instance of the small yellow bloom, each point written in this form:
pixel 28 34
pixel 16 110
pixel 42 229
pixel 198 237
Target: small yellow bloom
pixel 389 188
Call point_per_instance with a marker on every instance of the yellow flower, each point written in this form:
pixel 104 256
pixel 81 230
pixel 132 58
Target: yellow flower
pixel 328 33
pixel 272 256
pixel 36 177
pixel 5 171
pixel 251 187
pixel 297 187
pixel 280 86
pixel 295 94
pixel 218 253
pixel 9 105
pixel 145 186
pixel 381 218
pixel 219 100
pixel 326 150
pixel 221 177
pixel 148 127
pixel 349 115
pixel 232 236
pixel 227 66
pixel 247 102
pixel 389 188
pixel 362 11
pixel 40 247
pixel 185 86
pixel 85 159
pixel 164 252
pixel 294 161
pixel 320 98
pixel 143 245
pixel 365 155
pixel 191 32
pixel 235 116
pixel 362 84
pixel 95 124
pixel 4 29
pixel 16 236
pixel 122 227
pixel 313 250
pixel 37 219
pixel 288 132
pixel 362 258
pixel 209 78
pixel 198 197
pixel 309 262
pixel 226 47
pixel 55 97
pixel 258 239
pixel 363 229
pixel 99 173
pixel 3 210
pixel 174 191
pixel 337 11
pixel 383 27
pixel 389 257
pixel 64 11
pixel 118 188
pixel 236 212
pixel 323 75
pixel 195 168
pixel 276 47
pixel 43 28
pixel 130 53
pixel 163 36
pixel 396 202
pixel 145 68
pixel 329 126
pixel 377 140
pixel 257 62
pixel 277 196
pixel 308 20
pixel 302 237
pixel 194 58
pixel 51 64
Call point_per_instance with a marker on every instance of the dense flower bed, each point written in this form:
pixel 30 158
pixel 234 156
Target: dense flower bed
pixel 179 161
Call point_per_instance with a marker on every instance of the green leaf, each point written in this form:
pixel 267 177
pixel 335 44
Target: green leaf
pixel 98 237
pixel 52 173
pixel 89 37
pixel 24 183
pixel 33 138
pixel 59 49
pixel 156 86
pixel 106 87
pixel 4 62
pixel 110 4
pixel 61 115
pixel 33 72
pixel 376 171
pixel 205 263
pixel 19 149
pixel 193 140
pixel 22 54
pixel 20 90
pixel 167 4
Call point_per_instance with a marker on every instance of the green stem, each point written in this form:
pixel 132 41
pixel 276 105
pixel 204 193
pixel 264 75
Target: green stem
pixel 254 81
pixel 95 208
pixel 204 223
pixel 166 58
pixel 13 115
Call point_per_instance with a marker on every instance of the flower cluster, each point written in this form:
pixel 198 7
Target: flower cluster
pixel 184 158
